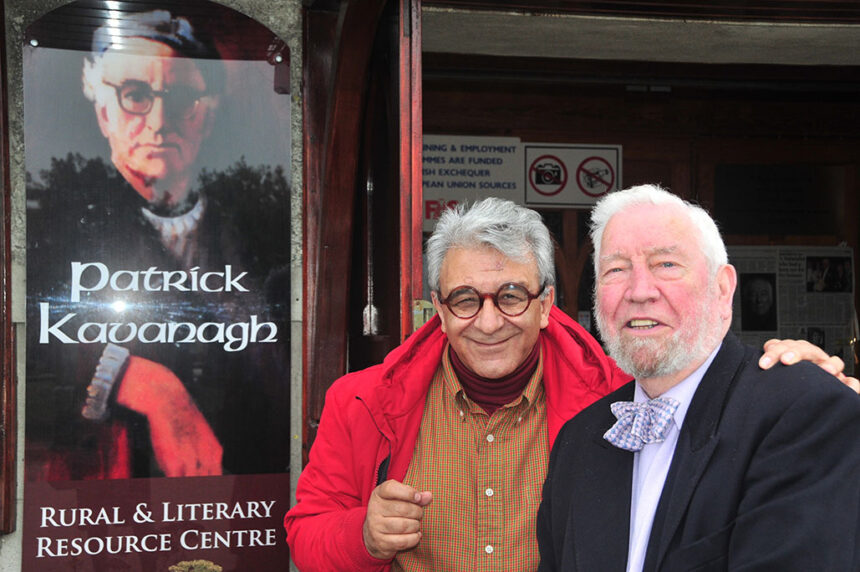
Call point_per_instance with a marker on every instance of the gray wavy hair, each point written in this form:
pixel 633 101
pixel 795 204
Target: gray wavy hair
pixel 517 232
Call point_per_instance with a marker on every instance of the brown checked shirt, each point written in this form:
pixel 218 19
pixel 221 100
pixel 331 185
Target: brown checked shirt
pixel 485 474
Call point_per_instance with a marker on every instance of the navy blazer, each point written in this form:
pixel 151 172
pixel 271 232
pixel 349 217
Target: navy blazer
pixel 765 476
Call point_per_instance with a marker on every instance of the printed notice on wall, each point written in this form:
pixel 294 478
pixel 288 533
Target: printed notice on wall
pixel 465 168
pixel 157 158
pixel 459 168
pixel 796 292
pixel 566 176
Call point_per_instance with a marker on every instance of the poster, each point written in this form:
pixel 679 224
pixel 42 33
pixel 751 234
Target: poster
pixel 796 292
pixel 158 232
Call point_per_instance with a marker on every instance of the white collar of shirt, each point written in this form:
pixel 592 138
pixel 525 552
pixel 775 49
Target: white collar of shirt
pixel 651 465
pixel 177 232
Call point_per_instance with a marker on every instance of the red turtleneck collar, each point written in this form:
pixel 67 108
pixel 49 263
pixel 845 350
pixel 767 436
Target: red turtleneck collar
pixel 491 394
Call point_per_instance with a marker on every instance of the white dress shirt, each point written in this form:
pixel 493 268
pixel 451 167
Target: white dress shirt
pixel 651 465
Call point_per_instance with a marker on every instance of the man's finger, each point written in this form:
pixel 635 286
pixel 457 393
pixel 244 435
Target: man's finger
pixel 395 490
pixel 793 351
pixel 399 509
pixel 426 497
pixel 832 365
pixel 770 342
pixel 394 525
pixel 392 543
pixel 852 382
pixel 385 532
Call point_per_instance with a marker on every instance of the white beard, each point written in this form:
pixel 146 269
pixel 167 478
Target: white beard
pixel 645 358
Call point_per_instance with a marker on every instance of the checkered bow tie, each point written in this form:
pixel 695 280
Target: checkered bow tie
pixel 641 423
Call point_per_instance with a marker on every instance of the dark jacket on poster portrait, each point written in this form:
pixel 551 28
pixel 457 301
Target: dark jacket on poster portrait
pixel 237 392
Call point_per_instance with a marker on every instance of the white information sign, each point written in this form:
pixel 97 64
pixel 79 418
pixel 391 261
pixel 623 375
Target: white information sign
pixel 458 168
pixel 570 175
pixel 468 168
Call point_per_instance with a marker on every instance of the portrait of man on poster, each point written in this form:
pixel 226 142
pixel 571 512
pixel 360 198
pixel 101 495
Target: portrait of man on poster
pixel 159 315
pixel 758 302
pixel 155 110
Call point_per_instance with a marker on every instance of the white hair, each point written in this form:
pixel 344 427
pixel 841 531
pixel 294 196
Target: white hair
pixel 700 331
pixel 711 241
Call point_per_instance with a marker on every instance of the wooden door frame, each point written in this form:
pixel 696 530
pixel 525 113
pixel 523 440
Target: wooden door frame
pixel 411 144
pixel 8 378
pixel 338 53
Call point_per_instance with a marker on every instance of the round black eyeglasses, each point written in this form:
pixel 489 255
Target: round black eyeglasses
pixel 511 299
pixel 138 97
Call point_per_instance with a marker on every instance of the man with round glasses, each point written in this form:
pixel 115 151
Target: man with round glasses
pixel 434 459
pixel 511 300
pixel 155 95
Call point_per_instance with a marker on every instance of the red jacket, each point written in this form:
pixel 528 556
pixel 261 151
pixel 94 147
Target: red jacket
pixel 372 417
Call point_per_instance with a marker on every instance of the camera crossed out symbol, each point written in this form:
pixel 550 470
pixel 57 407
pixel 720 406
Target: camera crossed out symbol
pixel 548 175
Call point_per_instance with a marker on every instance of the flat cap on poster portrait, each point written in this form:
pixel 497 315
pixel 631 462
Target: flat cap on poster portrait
pixel 160 26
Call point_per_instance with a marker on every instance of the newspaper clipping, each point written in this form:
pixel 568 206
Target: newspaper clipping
pixel 796 292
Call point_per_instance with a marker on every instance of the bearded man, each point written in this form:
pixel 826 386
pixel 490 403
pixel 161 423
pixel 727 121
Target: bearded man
pixel 705 462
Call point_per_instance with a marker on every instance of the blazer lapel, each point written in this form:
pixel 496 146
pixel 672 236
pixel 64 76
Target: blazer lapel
pixel 696 444
pixel 603 536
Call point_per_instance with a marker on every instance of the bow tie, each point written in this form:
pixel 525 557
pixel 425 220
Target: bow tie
pixel 641 423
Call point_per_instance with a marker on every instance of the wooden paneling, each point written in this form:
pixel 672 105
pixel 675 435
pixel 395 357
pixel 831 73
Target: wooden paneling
pixel 411 143
pixel 663 103
pixel 320 30
pixel 676 123
pixel 837 11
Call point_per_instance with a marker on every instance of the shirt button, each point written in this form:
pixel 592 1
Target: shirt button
pixel 488 549
pixel 490 438
pixel 488 492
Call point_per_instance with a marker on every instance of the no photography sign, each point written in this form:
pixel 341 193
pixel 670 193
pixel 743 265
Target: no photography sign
pixel 570 175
